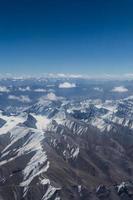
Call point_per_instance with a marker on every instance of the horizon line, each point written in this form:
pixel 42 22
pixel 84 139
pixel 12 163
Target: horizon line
pixel 106 76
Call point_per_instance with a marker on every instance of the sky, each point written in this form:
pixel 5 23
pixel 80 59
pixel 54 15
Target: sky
pixel 66 36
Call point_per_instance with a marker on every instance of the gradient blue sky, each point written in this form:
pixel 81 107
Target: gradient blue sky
pixel 67 36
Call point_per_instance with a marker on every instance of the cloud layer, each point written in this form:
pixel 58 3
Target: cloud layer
pixel 22 98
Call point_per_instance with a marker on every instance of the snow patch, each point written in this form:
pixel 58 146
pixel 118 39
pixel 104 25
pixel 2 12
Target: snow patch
pixel 11 122
pixel 42 121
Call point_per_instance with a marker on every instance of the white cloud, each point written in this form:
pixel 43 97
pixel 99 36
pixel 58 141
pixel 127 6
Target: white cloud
pixel 24 89
pixel 40 90
pixel 22 98
pixel 67 85
pixel 4 89
pixel 61 75
pixel 98 89
pixel 76 76
pixel 120 89
pixel 51 96
pixel 70 75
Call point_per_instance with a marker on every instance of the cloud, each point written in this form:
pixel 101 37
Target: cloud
pixel 62 75
pixel 120 89
pixel 70 75
pixel 51 90
pixel 76 76
pixel 98 89
pixel 24 89
pixel 129 75
pixel 67 85
pixel 22 98
pixel 4 89
pixel 40 90
pixel 52 97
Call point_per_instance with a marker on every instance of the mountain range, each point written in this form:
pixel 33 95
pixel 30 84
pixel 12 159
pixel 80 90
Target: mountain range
pixel 66 139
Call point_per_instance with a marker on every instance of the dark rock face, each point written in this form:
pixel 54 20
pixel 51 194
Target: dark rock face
pixel 102 192
pixel 2 122
pixel 30 122
pixel 125 189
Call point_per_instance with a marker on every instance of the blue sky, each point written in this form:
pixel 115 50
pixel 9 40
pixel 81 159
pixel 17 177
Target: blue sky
pixel 66 36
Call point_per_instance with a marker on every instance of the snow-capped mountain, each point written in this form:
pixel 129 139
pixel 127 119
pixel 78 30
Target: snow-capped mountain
pixel 59 148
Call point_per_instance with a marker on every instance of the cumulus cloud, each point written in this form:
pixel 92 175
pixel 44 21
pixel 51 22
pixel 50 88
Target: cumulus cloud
pixel 24 89
pixel 40 90
pixel 67 85
pixel 21 98
pixel 4 89
pixel 52 97
pixel 120 89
